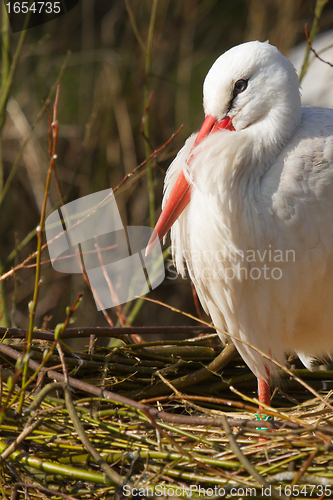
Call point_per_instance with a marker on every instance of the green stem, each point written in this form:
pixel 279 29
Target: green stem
pixel 39 232
pixel 5 89
pixel 146 119
pixel 5 65
pixel 320 4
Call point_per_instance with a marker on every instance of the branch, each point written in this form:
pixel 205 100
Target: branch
pixel 313 50
pixel 117 332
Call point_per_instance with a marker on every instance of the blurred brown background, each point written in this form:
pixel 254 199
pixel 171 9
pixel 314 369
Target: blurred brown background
pixel 100 114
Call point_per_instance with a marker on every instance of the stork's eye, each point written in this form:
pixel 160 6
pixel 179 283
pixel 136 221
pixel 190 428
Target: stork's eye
pixel 240 86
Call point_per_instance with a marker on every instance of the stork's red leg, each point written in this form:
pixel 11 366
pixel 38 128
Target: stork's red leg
pixel 264 392
pixel 264 395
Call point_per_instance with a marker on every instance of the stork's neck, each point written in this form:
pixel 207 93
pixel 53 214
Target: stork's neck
pixel 269 135
pixel 235 162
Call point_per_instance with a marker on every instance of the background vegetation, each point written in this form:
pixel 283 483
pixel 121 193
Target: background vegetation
pixel 134 75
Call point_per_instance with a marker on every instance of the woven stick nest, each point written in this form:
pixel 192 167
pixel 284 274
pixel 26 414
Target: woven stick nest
pixel 159 419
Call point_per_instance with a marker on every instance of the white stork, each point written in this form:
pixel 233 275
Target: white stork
pixel 249 200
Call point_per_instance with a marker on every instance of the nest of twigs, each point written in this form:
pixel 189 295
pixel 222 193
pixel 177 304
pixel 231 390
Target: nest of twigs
pixel 158 419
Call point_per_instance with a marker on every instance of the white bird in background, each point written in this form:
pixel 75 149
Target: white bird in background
pixel 250 202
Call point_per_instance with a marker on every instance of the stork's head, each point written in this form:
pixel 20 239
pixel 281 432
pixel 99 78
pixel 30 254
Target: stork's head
pixel 250 83
pixel 251 86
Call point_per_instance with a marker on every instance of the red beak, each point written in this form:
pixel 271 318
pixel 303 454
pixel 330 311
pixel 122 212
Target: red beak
pixel 180 196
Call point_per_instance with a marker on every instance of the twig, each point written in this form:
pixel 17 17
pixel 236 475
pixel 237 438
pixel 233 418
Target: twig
pixel 26 431
pixel 113 475
pixel 134 26
pixel 152 155
pixel 208 399
pixel 313 50
pixel 63 363
pixel 116 332
pixel 39 232
pixel 57 183
pixel 320 4
pixel 186 401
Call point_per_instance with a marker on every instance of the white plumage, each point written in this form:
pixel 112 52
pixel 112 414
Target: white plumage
pixel 257 233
